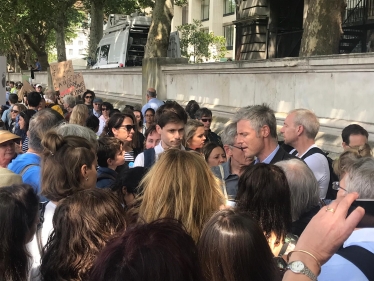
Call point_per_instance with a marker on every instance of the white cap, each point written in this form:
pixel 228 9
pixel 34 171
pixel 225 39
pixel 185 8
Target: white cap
pixel 38 85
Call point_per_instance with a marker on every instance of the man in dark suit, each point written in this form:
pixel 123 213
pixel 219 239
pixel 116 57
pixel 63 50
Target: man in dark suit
pixel 257 134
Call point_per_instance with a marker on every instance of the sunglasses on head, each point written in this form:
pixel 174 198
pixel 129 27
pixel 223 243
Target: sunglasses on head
pixel 88 97
pixel 206 119
pixel 128 127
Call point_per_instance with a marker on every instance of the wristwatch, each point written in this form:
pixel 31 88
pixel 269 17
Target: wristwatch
pixel 299 267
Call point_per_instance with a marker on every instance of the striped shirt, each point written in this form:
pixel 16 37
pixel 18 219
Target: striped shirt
pixel 129 156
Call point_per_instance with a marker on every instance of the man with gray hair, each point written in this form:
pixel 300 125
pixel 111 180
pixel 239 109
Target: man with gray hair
pixel 299 131
pixel 152 101
pixel 257 134
pixel 230 171
pixel 354 261
pixel 304 190
pixel 27 165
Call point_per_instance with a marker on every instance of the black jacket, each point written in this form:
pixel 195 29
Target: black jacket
pixel 282 155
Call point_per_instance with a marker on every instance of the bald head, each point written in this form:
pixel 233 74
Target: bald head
pixel 151 93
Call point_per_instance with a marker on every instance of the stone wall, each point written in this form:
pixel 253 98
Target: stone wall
pixel 339 89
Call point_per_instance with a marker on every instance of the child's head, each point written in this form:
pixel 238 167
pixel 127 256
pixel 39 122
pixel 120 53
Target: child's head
pixel 109 153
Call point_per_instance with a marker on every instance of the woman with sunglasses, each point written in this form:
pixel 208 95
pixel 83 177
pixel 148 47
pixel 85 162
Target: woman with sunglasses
pixel 14 112
pixel 88 98
pixel 122 126
pixel 106 109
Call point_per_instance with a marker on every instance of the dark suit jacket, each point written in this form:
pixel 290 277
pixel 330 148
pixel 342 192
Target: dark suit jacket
pixel 282 155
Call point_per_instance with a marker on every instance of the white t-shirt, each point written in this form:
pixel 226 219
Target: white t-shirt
pixel 32 246
pixel 320 167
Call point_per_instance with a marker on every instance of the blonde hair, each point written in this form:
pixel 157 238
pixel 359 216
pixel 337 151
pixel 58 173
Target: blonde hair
pixel 181 186
pixel 349 157
pixel 190 130
pixel 79 115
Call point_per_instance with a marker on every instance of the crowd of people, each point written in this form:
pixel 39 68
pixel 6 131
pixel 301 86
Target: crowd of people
pixel 89 192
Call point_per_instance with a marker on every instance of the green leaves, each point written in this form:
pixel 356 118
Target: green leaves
pixel 198 45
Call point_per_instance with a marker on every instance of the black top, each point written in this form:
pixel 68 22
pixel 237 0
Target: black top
pixel 299 225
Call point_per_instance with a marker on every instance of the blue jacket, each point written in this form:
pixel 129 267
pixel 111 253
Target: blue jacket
pixel 105 177
pixel 32 175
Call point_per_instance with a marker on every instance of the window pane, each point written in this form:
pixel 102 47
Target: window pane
pixel 228 33
pixel 228 7
pixel 204 9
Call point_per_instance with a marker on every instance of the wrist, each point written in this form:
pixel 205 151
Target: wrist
pixel 309 261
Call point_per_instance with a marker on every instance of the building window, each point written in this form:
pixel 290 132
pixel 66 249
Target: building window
pixel 205 30
pixel 81 51
pixel 205 10
pixel 185 14
pixel 80 43
pixel 228 7
pixel 228 33
pixel 71 52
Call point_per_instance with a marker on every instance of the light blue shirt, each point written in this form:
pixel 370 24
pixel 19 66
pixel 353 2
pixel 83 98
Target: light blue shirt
pixel 152 103
pixel 268 159
pixel 338 268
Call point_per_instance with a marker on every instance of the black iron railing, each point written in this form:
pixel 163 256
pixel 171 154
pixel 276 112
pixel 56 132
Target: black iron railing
pixel 358 11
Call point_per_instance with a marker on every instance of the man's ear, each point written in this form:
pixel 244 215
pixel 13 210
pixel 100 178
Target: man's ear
pixel 158 129
pixel 227 150
pixel 344 145
pixel 265 131
pixel 124 190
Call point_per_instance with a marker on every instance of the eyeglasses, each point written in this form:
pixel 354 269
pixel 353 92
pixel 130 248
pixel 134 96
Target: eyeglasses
pixel 15 111
pixel 105 109
pixel 128 127
pixel 88 97
pixel 206 120
pixel 336 186
pixel 238 147
pixel 147 115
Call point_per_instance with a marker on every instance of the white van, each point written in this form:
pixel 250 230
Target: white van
pixel 123 41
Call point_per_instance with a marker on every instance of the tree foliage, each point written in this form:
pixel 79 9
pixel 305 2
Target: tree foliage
pixel 198 45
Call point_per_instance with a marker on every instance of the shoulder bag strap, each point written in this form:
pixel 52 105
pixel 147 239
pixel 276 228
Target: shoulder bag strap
pixel 361 258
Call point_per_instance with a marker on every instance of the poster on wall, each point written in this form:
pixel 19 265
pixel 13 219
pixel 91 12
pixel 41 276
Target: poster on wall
pixel 3 79
pixel 72 85
pixel 61 71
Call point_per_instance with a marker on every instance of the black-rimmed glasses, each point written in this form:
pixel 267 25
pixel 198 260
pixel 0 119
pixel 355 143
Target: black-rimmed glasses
pixel 238 147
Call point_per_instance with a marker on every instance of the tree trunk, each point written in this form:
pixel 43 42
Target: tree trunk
pixel 322 28
pixel 96 28
pixel 158 36
pixel 43 59
pixel 60 38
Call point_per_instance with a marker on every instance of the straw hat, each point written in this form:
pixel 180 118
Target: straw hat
pixel 6 136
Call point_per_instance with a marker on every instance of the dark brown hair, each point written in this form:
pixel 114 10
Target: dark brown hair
pixel 158 251
pixel 18 211
pixel 170 112
pixel 232 247
pixel 61 164
pixel 82 225
pixel 108 148
pixel 264 193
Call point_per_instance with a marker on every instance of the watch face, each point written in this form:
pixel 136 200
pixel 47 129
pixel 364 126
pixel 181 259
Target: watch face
pixel 297 266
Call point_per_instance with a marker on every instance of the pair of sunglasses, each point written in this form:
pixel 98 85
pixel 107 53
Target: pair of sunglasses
pixel 128 127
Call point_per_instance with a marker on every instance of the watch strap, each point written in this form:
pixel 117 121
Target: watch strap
pixel 306 271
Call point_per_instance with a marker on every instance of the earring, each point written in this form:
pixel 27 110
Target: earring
pixel 87 179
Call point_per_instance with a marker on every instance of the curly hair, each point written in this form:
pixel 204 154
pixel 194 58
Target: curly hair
pixel 83 224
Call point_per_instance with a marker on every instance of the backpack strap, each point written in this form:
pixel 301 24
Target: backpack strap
pixel 149 157
pixel 361 258
pixel 42 207
pixel 24 170
pixel 312 151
